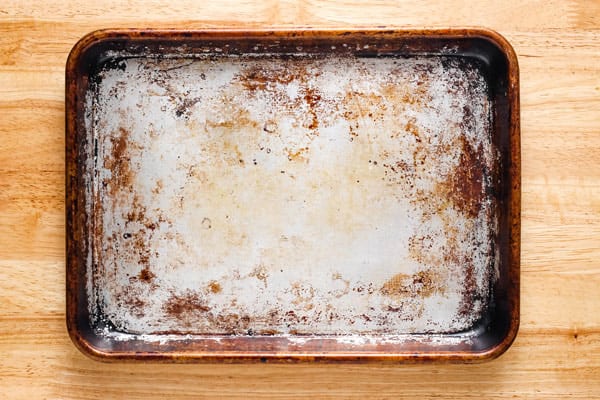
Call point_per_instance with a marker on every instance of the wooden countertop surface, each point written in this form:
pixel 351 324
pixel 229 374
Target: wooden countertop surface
pixel 557 352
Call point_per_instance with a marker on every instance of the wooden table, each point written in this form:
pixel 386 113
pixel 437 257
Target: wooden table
pixel 557 352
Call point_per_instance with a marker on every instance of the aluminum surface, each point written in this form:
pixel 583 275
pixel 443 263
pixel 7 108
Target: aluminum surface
pixel 306 195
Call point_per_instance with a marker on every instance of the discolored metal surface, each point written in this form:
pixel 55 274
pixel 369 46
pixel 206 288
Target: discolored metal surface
pixel 290 193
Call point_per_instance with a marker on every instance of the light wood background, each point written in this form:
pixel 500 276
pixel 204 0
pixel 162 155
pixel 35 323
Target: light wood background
pixel 557 352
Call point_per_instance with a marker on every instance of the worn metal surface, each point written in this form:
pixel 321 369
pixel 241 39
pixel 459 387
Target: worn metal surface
pixel 328 195
pixel 290 195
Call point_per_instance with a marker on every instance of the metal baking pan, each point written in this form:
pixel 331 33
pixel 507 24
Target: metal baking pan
pixel 292 195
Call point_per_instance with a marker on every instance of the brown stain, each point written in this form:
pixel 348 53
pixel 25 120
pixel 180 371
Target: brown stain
pixel 453 256
pixel 420 249
pixel 158 187
pixel 297 155
pixel 397 285
pixel 135 239
pixel 257 78
pixel 462 190
pixel 221 324
pixel 146 275
pixel 390 91
pixel 312 99
pixel 229 323
pixel 450 253
pixel 227 147
pixel 137 211
pixel 143 253
pixel 399 94
pixel 238 153
pixel 336 276
pixel 214 287
pixel 261 273
pixel 411 128
pixel 399 172
pixel 185 307
pixel 357 108
pixel 135 305
pixel 453 252
pixel 118 163
pixel 241 120
pixel 427 283
pixel 131 298
pixel 422 284
pixel 412 98
pixel 184 106
pixel 237 322
pixel 303 295
pixel 291 317
pixel 465 186
pixel 469 290
pixel 206 223
pixel 367 289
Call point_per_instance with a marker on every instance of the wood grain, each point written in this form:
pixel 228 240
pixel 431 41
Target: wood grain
pixel 557 352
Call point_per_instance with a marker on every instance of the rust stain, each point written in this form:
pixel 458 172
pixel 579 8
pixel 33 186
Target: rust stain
pixel 137 213
pixel 185 307
pixel 240 119
pixel 131 300
pixel 158 187
pixel 261 273
pixel 185 106
pixel 423 284
pixel 146 275
pixel 465 187
pixel 304 295
pixel 136 306
pixel 118 163
pixel 230 323
pixel 336 276
pixel 359 108
pixel 411 127
pixel 214 287
pixel 256 78
pixel 397 285
pixel 297 155
pixel 419 245
pixel 470 293
pixel 312 99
